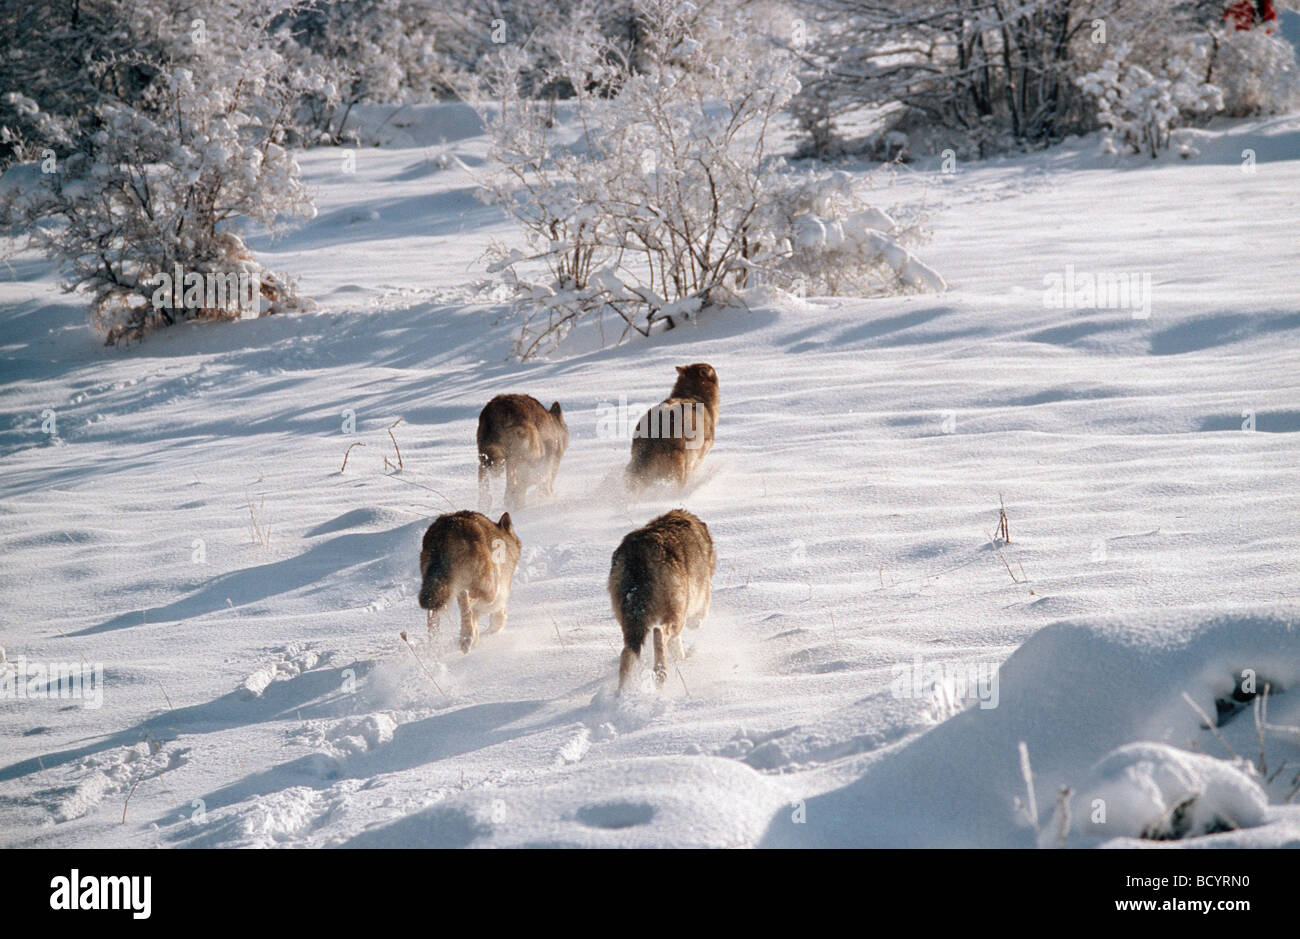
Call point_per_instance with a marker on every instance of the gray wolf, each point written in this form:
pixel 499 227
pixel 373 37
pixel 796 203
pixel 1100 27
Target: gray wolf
pixel 660 580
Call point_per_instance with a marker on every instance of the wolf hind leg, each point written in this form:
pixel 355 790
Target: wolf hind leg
pixel 661 658
pixel 627 663
pixel 516 484
pixel 497 621
pixel 468 623
pixel 550 482
pixel 695 621
pixel 681 469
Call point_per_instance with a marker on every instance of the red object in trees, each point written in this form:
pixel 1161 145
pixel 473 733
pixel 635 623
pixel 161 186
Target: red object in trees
pixel 1247 14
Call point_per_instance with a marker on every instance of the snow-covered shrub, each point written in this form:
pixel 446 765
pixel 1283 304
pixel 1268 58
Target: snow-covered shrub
pixel 362 52
pixel 63 59
pixel 980 76
pixel 1139 109
pixel 1256 72
pixel 656 196
pixel 827 239
pixel 1157 792
pixel 977 74
pixel 167 183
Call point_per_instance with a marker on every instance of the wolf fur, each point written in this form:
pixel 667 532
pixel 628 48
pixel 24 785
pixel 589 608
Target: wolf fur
pixel 660 580
pixel 675 435
pixel 516 434
pixel 472 558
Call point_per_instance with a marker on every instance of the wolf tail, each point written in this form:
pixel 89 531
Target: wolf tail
pixel 630 604
pixel 491 460
pixel 435 591
pixel 638 472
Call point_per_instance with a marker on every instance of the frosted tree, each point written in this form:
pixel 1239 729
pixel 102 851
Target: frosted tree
pixel 1139 108
pixel 656 197
pixel 62 61
pixel 1255 69
pixel 1196 65
pixel 165 183
pixel 985 73
pixel 982 75
pixel 363 52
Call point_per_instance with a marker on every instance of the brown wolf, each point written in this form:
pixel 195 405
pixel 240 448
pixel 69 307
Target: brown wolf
pixel 661 579
pixel 675 435
pixel 517 434
pixel 472 558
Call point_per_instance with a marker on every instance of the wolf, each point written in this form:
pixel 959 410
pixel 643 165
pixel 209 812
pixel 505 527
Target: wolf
pixel 468 556
pixel 517 434
pixel 661 579
pixel 675 435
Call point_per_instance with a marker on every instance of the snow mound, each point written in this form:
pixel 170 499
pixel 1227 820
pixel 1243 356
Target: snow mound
pixel 1158 792
pixel 677 802
pixel 1076 694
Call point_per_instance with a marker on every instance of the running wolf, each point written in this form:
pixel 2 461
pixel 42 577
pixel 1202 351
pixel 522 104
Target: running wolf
pixel 517 434
pixel 472 558
pixel 675 435
pixel 661 580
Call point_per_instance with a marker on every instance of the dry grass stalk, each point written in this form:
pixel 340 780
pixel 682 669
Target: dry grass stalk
pixel 347 454
pixel 387 463
pixel 422 665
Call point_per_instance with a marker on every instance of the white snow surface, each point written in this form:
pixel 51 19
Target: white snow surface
pixel 184 522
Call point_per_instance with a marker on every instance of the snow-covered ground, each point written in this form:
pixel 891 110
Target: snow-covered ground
pixel 181 518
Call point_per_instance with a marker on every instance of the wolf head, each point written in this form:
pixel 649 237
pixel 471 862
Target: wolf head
pixel 512 539
pixel 698 381
pixel 559 419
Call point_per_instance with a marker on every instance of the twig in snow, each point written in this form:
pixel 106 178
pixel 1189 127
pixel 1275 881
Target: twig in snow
pixel 347 453
pixel 261 534
pixel 137 782
pixel 1209 724
pixel 1063 802
pixel 79 652
pixel 421 664
pixel 1030 806
pixel 420 486
pixel 1260 709
pixel 398 467
pixel 998 550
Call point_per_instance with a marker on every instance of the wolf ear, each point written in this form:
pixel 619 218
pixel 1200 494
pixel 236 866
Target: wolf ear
pixel 681 369
pixel 505 524
pixel 555 410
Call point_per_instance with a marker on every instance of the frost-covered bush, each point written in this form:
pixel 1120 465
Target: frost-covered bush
pixel 1157 792
pixel 168 182
pixel 656 196
pixel 1256 71
pixel 362 52
pixel 62 60
pixel 1139 109
pixel 974 74
pixel 982 75
pixel 826 239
